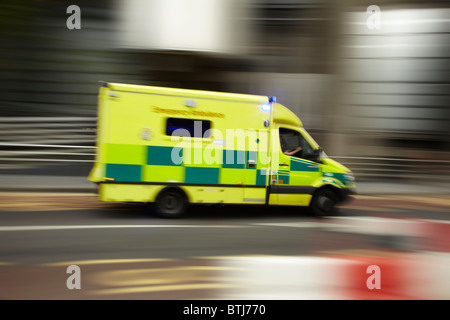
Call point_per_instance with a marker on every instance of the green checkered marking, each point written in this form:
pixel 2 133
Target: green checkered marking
pixel 138 163
pixel 124 172
pixel 297 165
pixel 231 176
pixel 163 174
pixel 202 175
pixel 164 156
pixel 202 157
pixel 233 159
pixel 124 154
pixel 261 177
pixel 283 176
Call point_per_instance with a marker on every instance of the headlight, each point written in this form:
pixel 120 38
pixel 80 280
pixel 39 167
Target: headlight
pixel 350 177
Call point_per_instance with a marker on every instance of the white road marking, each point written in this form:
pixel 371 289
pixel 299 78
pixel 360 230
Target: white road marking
pixel 296 224
pixel 344 224
pixel 68 227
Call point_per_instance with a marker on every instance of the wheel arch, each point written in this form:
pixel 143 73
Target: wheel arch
pixel 178 189
pixel 332 187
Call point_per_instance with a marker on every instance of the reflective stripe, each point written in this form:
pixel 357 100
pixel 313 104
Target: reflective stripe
pixel 254 200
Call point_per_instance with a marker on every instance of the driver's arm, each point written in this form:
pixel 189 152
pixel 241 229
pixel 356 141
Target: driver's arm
pixel 291 152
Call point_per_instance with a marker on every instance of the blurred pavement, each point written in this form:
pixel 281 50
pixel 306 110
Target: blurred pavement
pixel 52 183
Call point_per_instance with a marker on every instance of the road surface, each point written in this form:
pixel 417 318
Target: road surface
pixel 124 252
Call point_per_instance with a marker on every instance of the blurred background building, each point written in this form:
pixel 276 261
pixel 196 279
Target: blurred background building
pixel 377 98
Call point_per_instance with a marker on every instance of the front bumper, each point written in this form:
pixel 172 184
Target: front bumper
pixel 346 193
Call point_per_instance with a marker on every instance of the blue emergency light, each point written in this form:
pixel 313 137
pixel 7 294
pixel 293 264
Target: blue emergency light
pixel 265 107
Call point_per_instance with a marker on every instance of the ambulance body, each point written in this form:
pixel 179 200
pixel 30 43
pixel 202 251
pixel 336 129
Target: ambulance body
pixel 173 147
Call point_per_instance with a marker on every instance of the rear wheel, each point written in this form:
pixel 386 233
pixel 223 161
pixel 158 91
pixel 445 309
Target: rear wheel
pixel 324 203
pixel 170 203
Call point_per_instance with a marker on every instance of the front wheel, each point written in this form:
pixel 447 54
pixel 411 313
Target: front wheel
pixel 324 203
pixel 170 203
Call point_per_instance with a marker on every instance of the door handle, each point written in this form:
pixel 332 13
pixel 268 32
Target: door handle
pixel 284 165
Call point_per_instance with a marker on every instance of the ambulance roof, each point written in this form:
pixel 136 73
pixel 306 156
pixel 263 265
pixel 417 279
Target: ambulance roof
pixel 281 114
pixel 199 94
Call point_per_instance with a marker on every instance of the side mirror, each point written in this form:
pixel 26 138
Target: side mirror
pixel 317 154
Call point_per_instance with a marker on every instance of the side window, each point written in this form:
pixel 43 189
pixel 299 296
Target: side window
pixel 295 145
pixel 188 127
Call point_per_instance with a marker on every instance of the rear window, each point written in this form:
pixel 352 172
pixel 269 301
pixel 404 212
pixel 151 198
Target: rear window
pixel 193 128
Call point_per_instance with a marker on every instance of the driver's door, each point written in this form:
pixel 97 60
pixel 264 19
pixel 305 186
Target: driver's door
pixel 296 169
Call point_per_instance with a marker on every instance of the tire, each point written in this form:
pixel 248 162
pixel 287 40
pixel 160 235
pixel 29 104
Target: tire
pixel 170 203
pixel 324 203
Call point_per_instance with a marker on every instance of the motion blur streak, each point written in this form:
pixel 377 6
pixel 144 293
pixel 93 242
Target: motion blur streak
pixel 417 276
pixel 361 92
pixel 372 88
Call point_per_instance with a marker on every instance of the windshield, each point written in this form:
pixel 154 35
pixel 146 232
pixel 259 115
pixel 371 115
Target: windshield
pixel 310 139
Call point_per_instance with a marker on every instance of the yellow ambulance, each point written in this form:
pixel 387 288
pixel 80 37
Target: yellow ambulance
pixel 172 147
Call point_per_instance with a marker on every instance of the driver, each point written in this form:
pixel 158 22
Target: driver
pixel 290 150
